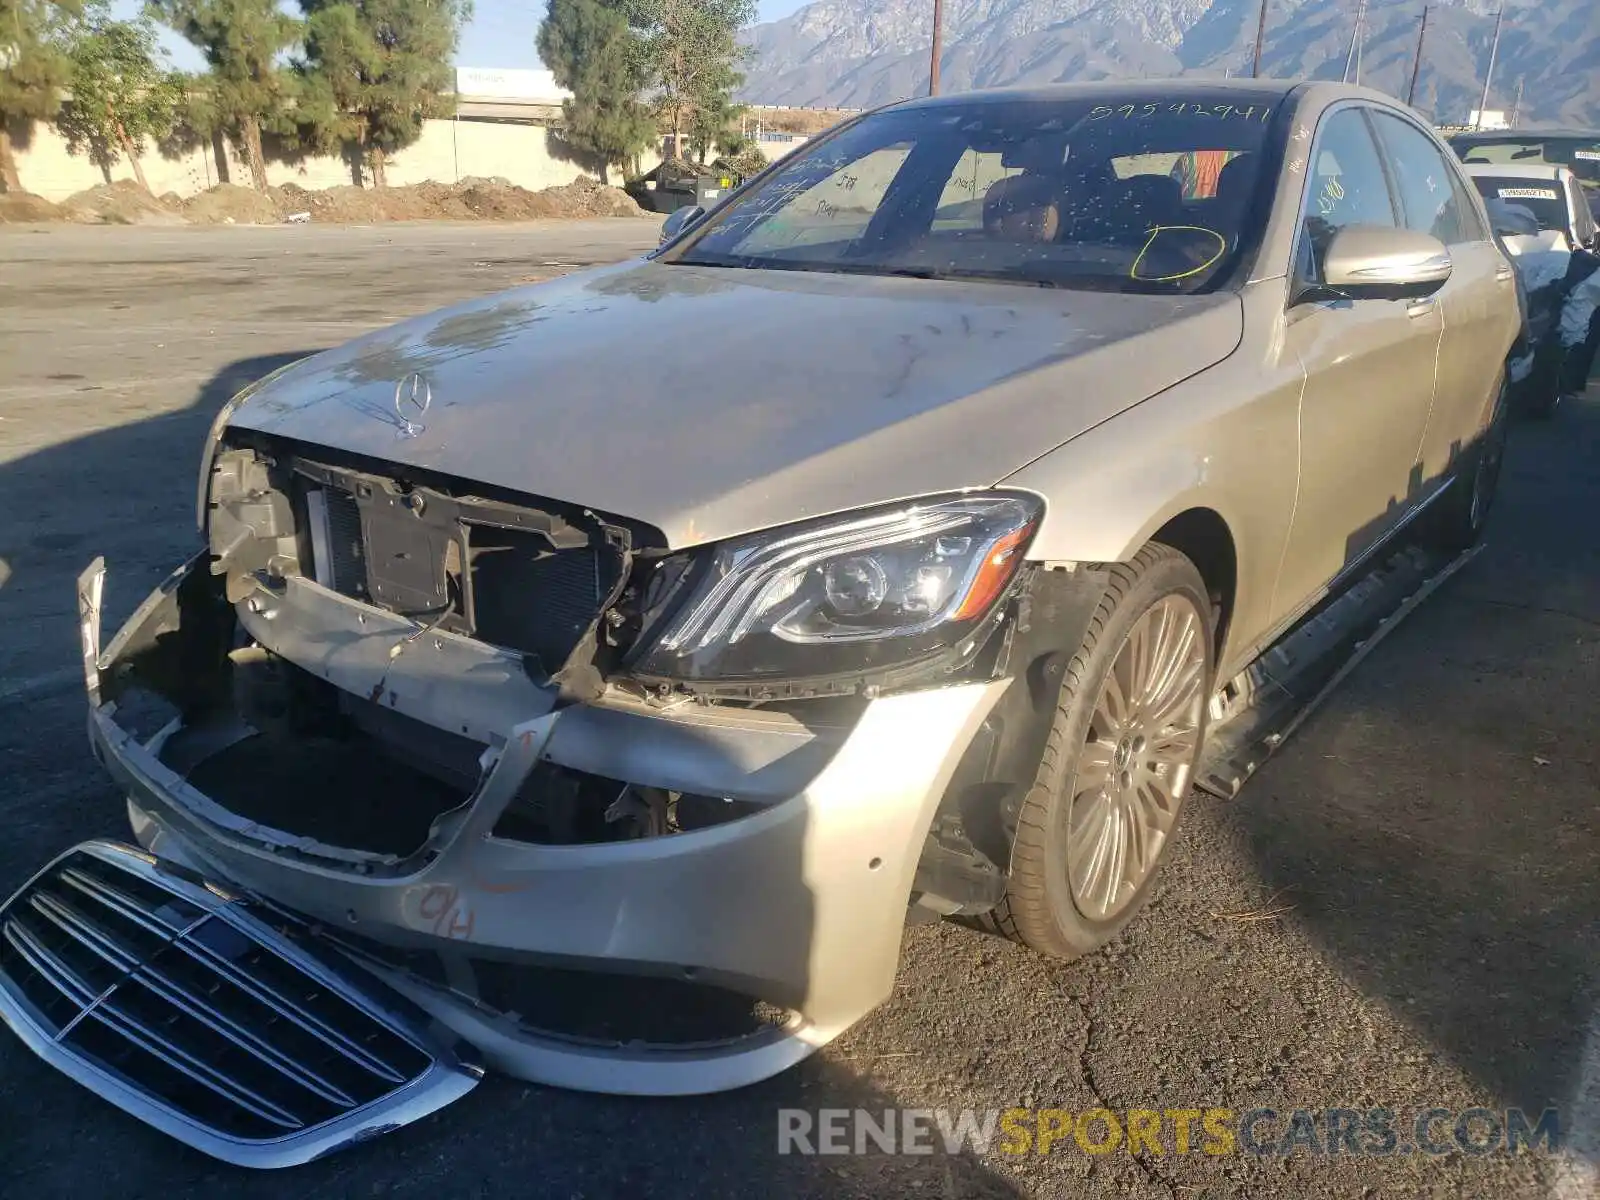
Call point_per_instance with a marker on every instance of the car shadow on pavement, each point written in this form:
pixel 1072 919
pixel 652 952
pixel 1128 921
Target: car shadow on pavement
pixel 128 492
pixel 1435 827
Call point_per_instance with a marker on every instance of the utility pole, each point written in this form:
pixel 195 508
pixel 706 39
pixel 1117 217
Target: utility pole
pixel 1261 34
pixel 1516 105
pixel 1416 66
pixel 1488 76
pixel 1355 40
pixel 938 39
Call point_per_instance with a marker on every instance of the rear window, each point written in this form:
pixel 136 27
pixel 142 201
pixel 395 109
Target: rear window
pixel 1580 154
pixel 1545 199
pixel 1147 195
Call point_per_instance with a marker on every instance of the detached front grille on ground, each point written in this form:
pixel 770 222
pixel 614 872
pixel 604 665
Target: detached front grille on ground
pixel 174 1001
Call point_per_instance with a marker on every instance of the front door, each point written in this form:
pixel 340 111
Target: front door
pixel 1478 302
pixel 1369 377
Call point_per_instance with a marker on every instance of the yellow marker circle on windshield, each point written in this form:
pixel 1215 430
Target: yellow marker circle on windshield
pixel 1222 248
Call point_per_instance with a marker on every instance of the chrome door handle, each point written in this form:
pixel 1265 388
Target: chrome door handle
pixel 1421 308
pixel 1503 273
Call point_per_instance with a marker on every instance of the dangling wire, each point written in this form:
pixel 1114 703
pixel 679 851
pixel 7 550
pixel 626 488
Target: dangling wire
pixel 399 648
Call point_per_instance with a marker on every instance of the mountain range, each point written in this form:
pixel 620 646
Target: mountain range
pixel 860 53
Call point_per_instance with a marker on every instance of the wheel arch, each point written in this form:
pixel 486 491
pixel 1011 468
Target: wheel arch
pixel 1202 536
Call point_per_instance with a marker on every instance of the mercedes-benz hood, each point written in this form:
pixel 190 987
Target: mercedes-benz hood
pixel 710 401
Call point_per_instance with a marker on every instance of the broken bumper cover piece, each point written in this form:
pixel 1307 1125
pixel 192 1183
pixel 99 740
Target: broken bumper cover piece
pixel 183 1006
pixel 800 905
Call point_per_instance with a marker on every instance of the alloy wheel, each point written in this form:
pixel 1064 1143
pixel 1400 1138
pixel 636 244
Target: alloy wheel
pixel 1135 767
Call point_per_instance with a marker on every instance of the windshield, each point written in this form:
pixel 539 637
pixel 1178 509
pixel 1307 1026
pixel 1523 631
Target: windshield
pixel 1545 199
pixel 1146 196
pixel 1582 155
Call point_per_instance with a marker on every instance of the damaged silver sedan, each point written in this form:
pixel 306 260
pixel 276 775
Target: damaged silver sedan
pixel 540 699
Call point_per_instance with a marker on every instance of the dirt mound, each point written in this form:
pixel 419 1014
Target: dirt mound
pixel 585 197
pixel 499 200
pixel 230 204
pixel 344 205
pixel 121 203
pixel 470 199
pixel 442 201
pixel 18 207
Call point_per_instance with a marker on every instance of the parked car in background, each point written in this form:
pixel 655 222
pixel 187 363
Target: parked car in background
pixel 1576 149
pixel 1534 366
pixel 620 727
pixel 1551 193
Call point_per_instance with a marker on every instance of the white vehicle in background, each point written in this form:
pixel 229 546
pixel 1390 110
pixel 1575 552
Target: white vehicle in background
pixel 1551 193
pixel 1541 215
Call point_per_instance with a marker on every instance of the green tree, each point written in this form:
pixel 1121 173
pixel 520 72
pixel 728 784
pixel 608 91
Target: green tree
pixel 589 48
pixel 245 89
pixel 690 49
pixel 121 93
pixel 373 71
pixel 712 117
pixel 33 70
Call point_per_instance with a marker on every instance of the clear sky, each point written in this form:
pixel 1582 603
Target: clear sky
pixel 500 34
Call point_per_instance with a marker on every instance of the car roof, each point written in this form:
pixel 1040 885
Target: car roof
pixel 1122 91
pixel 1524 135
pixel 1518 170
pixel 1317 93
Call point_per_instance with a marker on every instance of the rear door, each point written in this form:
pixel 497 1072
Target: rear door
pixel 1478 303
pixel 1369 375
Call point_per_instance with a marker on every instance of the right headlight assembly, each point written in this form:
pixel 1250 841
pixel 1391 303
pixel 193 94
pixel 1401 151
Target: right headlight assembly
pixel 859 593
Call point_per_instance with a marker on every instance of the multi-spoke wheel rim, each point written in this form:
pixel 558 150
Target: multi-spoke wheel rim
pixel 1134 769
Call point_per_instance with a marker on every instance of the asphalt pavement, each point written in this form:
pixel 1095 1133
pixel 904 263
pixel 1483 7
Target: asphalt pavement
pixel 1399 911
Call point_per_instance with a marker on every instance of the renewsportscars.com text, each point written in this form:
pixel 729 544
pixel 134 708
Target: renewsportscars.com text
pixel 1331 1132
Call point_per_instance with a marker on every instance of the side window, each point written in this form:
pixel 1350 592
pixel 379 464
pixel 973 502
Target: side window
pixel 961 202
pixel 1345 186
pixel 1426 182
pixel 836 208
pixel 1472 224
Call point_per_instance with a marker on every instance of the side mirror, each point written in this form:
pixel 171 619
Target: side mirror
pixel 1372 262
pixel 680 220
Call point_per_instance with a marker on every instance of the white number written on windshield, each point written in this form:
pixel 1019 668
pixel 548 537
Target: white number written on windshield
pixel 1218 112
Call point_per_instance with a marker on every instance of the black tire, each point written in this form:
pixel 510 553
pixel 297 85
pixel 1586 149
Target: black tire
pixel 1540 403
pixel 1038 908
pixel 1539 395
pixel 1463 511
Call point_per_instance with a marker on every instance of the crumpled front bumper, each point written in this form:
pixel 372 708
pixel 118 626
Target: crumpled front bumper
pixel 801 904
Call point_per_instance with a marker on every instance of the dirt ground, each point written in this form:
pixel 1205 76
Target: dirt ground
pixel 125 203
pixel 1401 909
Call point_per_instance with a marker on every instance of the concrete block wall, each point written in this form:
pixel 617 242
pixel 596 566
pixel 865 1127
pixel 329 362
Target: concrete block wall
pixel 446 152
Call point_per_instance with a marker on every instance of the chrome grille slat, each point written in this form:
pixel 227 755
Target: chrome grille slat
pixel 182 1006
pixel 118 902
pixel 51 969
pixel 152 979
pixel 230 1090
pixel 287 1009
pixel 75 925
